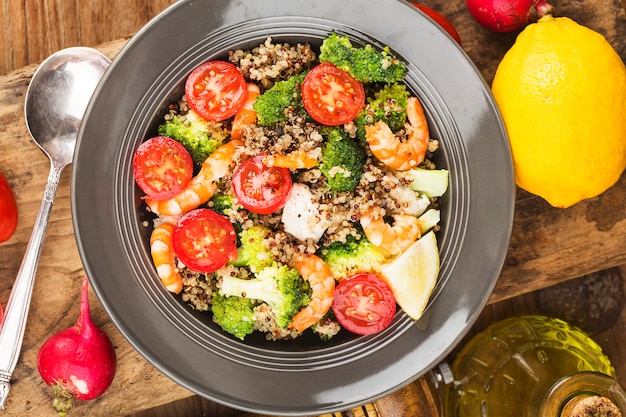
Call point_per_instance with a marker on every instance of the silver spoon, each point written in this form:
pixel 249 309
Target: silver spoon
pixel 56 101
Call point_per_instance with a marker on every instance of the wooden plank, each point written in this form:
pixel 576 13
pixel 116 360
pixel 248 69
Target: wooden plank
pixel 35 29
pixel 548 246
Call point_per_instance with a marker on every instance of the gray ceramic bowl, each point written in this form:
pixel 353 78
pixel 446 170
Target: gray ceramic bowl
pixel 305 376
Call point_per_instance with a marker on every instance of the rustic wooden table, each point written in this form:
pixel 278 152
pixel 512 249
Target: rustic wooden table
pixel 548 245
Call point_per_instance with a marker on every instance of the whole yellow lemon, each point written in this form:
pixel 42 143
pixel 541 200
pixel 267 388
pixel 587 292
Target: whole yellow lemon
pixel 561 90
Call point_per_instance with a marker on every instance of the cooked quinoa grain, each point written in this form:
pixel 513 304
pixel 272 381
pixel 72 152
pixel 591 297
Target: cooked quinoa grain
pixel 269 62
pixel 197 289
pixel 265 322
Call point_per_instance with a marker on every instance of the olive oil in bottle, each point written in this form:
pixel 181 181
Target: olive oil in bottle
pixel 528 365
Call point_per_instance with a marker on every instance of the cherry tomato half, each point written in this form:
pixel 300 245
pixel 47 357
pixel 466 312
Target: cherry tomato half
pixel 364 304
pixel 162 167
pixel 259 188
pixel 216 90
pixel 8 211
pixel 442 21
pixel 204 240
pixel 331 96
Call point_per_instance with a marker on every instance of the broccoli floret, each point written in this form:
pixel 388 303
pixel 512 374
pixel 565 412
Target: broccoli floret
pixel 221 203
pixel 199 136
pixel 353 257
pixel 270 106
pixel 364 64
pixel 388 104
pixel 233 314
pixel 252 252
pixel 281 287
pixel 343 160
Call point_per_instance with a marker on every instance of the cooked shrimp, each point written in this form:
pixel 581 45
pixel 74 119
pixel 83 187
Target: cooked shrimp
pixel 396 153
pixel 247 115
pixel 317 272
pixel 163 257
pixel 202 186
pixel 299 159
pixel 395 238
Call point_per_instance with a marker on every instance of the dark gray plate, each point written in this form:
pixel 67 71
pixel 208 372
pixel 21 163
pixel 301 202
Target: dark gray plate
pixel 305 376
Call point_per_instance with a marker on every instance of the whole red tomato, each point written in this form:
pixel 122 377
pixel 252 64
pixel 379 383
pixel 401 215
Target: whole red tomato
pixel 8 210
pixel 442 21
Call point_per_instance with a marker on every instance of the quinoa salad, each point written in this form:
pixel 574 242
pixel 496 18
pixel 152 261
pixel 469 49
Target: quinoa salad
pixel 282 207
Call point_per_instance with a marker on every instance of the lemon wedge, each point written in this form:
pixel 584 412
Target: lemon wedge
pixel 413 274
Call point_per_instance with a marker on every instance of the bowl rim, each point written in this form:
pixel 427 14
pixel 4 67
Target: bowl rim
pixel 484 178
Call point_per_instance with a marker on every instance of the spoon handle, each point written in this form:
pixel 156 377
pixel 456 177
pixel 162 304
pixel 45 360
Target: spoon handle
pixel 16 313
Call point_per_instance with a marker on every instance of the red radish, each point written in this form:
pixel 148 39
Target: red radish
pixel 78 362
pixel 507 15
pixel 8 210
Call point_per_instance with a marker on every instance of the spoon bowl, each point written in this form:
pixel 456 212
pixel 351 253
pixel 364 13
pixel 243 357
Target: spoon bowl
pixel 57 98
pixel 56 101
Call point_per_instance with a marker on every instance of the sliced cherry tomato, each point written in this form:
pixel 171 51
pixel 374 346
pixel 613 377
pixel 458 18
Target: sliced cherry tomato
pixel 8 211
pixel 331 96
pixel 204 241
pixel 216 90
pixel 162 167
pixel 364 304
pixel 259 188
pixel 442 21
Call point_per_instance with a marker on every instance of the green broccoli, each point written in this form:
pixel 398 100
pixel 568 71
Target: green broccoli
pixel 388 104
pixel 343 160
pixel 281 287
pixel 252 252
pixel 352 257
pixel 364 64
pixel 199 136
pixel 270 106
pixel 221 203
pixel 233 314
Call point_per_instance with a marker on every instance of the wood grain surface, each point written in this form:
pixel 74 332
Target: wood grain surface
pixel 548 245
pixel 34 29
